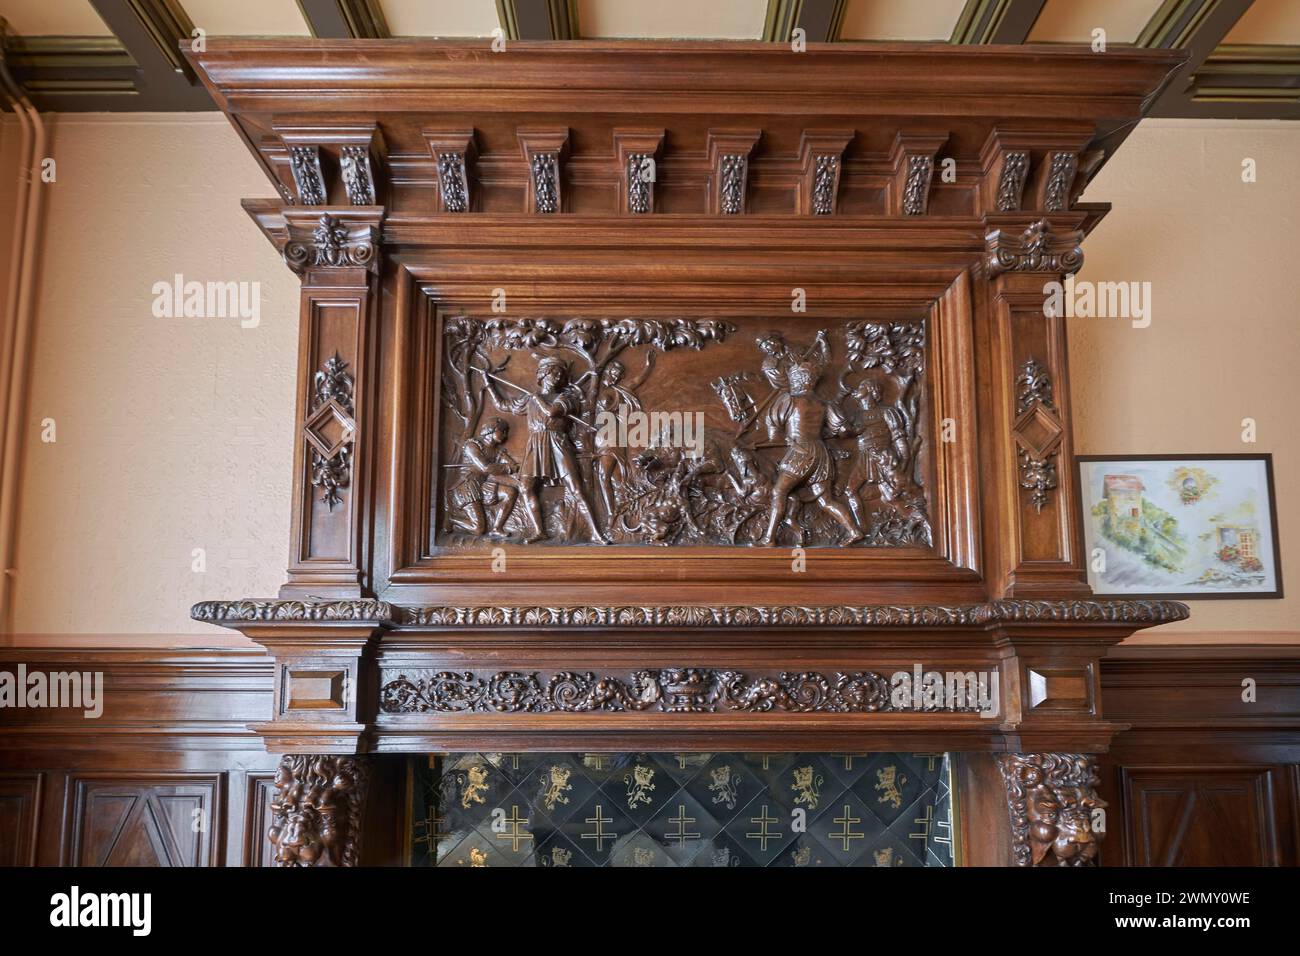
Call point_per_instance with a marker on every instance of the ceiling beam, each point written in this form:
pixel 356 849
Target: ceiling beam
pixel 819 19
pixel 538 19
pixel 996 21
pixel 345 19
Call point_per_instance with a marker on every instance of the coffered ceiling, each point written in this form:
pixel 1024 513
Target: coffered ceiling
pixel 121 54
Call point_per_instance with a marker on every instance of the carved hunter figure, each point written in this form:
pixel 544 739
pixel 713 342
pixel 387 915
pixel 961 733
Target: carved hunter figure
pixel 787 460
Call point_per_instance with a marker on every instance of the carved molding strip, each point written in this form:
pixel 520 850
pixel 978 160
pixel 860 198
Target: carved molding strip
pixel 332 244
pixel 1037 249
pixel 1051 798
pixel 672 690
pixel 358 179
pixel 747 616
pixel 304 162
pixel 316 810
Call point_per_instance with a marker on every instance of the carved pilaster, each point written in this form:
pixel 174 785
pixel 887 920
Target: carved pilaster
pixel 1038 548
pixel 638 152
pixel 544 152
pixel 913 157
pixel 453 152
pixel 821 154
pixel 729 152
pixel 335 250
pixel 1051 799
pixel 316 813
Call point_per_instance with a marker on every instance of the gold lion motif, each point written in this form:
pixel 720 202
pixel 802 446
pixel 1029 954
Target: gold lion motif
pixel 639 785
pixel 555 786
pixel 723 786
pixel 808 787
pixel 473 787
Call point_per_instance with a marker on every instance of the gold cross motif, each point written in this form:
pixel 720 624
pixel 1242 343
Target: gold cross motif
pixel 596 761
pixel 762 836
pixel 930 760
pixel 925 822
pixel 599 834
pixel 945 825
pixel 430 823
pixel 514 835
pixel 682 834
pixel 845 834
pixel 848 760
pixel 681 761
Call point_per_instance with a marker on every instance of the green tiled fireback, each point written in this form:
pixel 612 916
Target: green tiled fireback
pixel 492 809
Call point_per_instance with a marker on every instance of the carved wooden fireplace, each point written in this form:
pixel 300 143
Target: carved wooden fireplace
pixel 675 396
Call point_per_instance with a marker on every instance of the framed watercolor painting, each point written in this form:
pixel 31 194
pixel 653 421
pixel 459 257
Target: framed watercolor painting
pixel 1180 526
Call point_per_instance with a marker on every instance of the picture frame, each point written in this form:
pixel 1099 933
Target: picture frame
pixel 1186 527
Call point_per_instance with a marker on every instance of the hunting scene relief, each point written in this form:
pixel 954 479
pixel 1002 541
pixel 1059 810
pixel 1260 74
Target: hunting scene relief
pixel 681 432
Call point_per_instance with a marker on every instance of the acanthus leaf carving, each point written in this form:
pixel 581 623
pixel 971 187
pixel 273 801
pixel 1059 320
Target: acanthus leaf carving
pixel 640 174
pixel 545 170
pixel 1051 799
pixel 1011 182
pixel 1037 249
pixel 1060 178
pixel 734 168
pixel 825 182
pixel 333 245
pixel 916 189
pixel 358 177
pixel 453 182
pixel 670 690
pixel 316 811
pixel 304 163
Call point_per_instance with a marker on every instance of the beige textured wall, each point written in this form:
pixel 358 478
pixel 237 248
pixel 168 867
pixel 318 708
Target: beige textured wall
pixel 175 434
pixel 172 434
pixel 1224 339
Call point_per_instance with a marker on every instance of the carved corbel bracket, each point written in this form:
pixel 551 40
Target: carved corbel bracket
pixel 316 812
pixel 545 151
pixel 821 157
pixel 332 238
pixel 1036 249
pixel 913 158
pixel 1051 798
pixel 729 152
pixel 356 152
pixel 1053 183
pixel 454 152
pixel 638 152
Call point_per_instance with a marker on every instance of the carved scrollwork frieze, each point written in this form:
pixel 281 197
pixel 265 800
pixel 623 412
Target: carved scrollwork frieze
pixel 1037 249
pixel 1052 799
pixel 316 812
pixel 672 690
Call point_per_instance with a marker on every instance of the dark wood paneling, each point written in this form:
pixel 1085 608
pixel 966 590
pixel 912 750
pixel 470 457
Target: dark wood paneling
pixel 144 819
pixel 20 809
pixel 1205 776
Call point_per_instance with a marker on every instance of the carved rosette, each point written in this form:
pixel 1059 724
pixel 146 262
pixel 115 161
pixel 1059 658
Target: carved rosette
pixel 1037 431
pixel 1011 183
pixel 329 429
pixel 332 245
pixel 358 179
pixel 316 810
pixel 673 690
pixel 304 163
pixel 1037 249
pixel 1051 799
pixel 1060 177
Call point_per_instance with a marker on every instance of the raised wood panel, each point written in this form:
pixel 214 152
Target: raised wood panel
pixel 1202 816
pixel 257 820
pixel 20 808
pixel 144 820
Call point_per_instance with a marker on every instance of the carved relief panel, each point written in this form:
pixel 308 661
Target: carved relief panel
pixel 677 432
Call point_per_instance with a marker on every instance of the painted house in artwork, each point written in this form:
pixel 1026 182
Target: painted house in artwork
pixel 1123 497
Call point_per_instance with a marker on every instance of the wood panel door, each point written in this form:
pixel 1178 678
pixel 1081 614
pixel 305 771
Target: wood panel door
pixel 144 820
pixel 1205 816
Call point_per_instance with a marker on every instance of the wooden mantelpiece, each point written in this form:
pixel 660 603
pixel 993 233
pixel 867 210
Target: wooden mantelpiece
pixel 836 258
